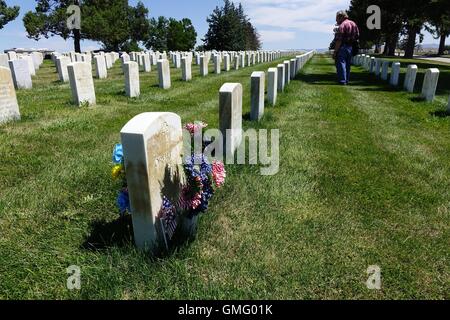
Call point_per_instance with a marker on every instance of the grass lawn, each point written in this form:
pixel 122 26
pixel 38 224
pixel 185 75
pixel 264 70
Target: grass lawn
pixel 364 180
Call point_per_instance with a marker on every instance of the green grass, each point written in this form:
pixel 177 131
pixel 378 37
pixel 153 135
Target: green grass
pixel 364 180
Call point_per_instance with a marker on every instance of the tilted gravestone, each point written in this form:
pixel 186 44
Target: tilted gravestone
pixel 230 116
pixel 281 77
pixel 410 78
pixel 21 74
pixel 257 95
pixel 81 83
pixel 101 72
pixel 152 147
pixel 186 69
pixel 272 86
pixel 164 74
pixel 9 108
pixel 132 85
pixel 430 83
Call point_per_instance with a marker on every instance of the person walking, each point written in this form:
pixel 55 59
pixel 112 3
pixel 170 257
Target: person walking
pixel 346 37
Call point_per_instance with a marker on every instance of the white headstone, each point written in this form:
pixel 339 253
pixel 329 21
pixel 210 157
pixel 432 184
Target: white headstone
pixel 9 108
pixel 217 64
pixel 186 69
pixel 385 70
pixel 147 66
pixel 293 68
pixel 203 66
pixel 132 85
pixel 164 74
pixel 430 84
pixel 226 59
pixel 410 78
pixel 230 116
pixel 101 72
pixel 12 55
pixel 272 86
pixel 81 83
pixel 21 74
pixel 152 148
pixel 287 72
pixel 4 60
pixel 281 77
pixel 257 95
pixel 61 65
pixel 30 62
pixel 395 74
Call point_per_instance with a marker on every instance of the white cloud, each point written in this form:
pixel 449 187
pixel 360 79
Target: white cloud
pixel 300 15
pixel 269 36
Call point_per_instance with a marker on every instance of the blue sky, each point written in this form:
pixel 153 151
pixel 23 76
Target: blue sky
pixel 283 24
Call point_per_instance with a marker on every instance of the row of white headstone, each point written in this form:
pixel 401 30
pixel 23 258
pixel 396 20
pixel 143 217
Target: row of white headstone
pixel 22 66
pixel 153 145
pixel 77 68
pixel 380 67
pixel 277 79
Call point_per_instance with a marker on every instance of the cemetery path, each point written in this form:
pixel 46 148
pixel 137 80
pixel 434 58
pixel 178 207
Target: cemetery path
pixel 364 180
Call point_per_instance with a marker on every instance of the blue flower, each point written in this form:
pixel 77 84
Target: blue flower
pixel 118 154
pixel 123 202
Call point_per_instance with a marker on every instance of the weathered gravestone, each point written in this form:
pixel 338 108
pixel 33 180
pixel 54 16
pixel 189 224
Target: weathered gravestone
pixel 272 86
pixel 101 72
pixel 281 77
pixel 230 117
pixel 164 74
pixel 21 74
pixel 132 85
pixel 81 83
pixel 257 95
pixel 395 74
pixel 152 148
pixel 186 69
pixel 410 78
pixel 9 108
pixel 61 66
pixel 430 83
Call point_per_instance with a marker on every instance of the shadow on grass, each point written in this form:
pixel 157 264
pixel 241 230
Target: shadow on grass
pixel 330 78
pixel 417 99
pixel 117 233
pixel 440 114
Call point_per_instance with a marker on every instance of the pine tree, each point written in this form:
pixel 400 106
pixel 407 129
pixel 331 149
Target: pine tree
pixel 7 14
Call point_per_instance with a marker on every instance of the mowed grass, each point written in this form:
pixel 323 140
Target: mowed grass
pixel 364 180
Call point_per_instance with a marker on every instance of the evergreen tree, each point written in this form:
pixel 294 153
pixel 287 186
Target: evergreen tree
pixel 7 14
pixel 230 29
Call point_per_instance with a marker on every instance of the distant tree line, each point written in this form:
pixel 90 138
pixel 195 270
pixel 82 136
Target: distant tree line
pixel 119 26
pixel 402 23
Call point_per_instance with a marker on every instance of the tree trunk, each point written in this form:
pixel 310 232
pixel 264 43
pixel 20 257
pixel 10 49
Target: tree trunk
pixel 411 42
pixel 442 44
pixel 77 33
pixel 76 40
pixel 391 44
